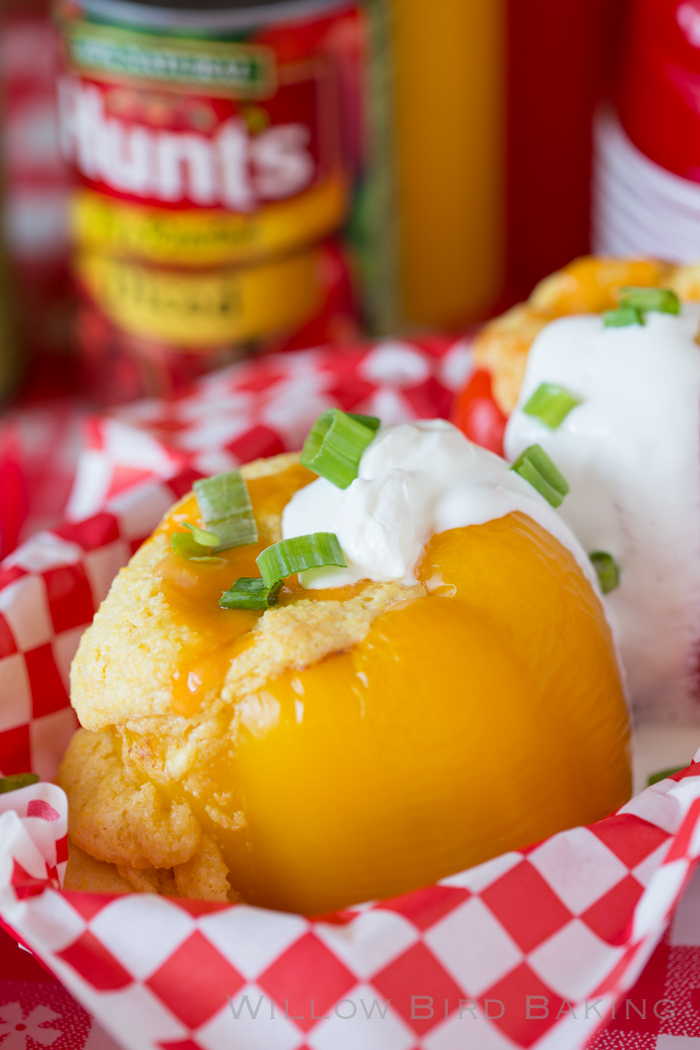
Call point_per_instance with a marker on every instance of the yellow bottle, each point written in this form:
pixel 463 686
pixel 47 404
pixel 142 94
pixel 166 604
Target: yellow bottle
pixel 449 59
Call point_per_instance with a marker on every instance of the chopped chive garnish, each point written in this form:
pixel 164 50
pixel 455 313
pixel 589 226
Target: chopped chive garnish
pixel 250 593
pixel 204 539
pixel 186 546
pixel 298 554
pixel 17 781
pixel 335 445
pixel 551 404
pixel 278 561
pixel 663 774
pixel 658 300
pixel 623 316
pixel 225 506
pixel 636 302
pixel 536 467
pixel 607 569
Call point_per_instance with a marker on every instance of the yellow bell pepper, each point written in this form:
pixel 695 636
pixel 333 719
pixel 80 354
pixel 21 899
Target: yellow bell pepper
pixel 482 716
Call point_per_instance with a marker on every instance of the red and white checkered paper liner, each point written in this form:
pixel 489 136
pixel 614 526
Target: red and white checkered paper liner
pixel 562 929
pixel 566 923
pixel 262 407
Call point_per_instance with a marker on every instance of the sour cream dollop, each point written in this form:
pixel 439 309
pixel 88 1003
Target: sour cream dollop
pixel 415 480
pixel 631 454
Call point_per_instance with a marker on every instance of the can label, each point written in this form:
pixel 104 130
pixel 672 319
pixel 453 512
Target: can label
pixel 206 309
pixel 244 70
pixel 203 237
pixel 206 161
pixel 195 154
pixel 201 154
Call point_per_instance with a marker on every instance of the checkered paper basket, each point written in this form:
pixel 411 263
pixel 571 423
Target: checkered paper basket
pixel 535 948
pixel 529 950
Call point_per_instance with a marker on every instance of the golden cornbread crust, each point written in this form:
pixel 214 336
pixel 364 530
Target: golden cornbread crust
pixel 302 634
pixel 587 285
pixel 135 747
pixel 84 873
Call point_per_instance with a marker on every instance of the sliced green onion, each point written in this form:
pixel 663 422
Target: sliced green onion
pixel 278 561
pixel 298 554
pixel 536 467
pixel 656 777
pixel 551 404
pixel 373 422
pixel 186 546
pixel 635 303
pixel 658 300
pixel 225 506
pixel 334 447
pixel 607 569
pixel 17 781
pixel 623 316
pixel 204 539
pixel 250 593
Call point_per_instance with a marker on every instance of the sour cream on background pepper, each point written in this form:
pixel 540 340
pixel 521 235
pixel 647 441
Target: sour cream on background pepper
pixel 631 454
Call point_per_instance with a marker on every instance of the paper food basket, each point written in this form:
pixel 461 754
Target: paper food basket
pixel 536 948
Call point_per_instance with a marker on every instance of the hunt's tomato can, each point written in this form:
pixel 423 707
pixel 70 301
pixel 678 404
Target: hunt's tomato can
pixel 214 152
